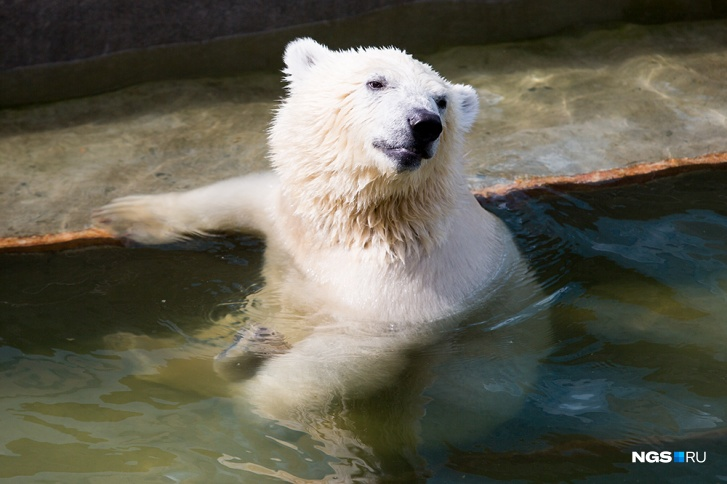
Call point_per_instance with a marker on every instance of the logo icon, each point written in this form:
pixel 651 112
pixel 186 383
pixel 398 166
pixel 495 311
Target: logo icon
pixel 664 457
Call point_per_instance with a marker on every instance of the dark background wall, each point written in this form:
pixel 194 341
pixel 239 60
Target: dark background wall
pixel 42 31
pixel 55 49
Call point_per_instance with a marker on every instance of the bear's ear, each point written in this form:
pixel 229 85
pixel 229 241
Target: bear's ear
pixel 302 54
pixel 468 103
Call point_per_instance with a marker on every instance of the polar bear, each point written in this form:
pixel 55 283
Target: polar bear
pixel 367 194
pixel 376 253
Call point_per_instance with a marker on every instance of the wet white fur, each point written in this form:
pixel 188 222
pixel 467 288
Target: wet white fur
pixel 385 245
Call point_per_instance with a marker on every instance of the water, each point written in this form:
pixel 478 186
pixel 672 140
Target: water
pixel 106 360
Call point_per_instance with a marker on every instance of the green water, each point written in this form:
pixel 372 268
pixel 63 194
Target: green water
pixel 106 360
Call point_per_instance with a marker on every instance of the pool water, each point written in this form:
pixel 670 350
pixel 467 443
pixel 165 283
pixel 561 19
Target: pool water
pixel 106 359
pixel 640 359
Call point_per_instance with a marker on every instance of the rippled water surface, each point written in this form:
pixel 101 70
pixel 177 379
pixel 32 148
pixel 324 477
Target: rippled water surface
pixel 106 359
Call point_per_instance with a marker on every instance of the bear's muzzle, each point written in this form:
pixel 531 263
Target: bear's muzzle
pixel 424 130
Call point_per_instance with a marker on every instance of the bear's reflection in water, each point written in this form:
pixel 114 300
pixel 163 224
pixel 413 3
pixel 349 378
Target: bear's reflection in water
pixel 371 393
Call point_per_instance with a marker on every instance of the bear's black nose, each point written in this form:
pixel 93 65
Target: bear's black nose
pixel 426 126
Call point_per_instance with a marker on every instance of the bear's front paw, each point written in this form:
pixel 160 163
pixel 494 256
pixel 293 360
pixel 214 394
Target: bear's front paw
pixel 141 218
pixel 252 346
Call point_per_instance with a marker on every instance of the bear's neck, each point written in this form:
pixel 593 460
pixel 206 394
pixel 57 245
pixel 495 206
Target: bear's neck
pixel 399 217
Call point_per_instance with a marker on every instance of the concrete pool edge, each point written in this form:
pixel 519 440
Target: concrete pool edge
pixel 594 180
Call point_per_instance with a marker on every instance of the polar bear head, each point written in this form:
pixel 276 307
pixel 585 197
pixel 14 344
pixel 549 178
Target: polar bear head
pixel 375 107
pixel 363 125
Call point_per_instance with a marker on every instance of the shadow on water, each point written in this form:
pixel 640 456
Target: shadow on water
pixel 636 278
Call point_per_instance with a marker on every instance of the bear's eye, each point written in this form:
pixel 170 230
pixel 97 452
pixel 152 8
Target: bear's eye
pixel 376 84
pixel 442 103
